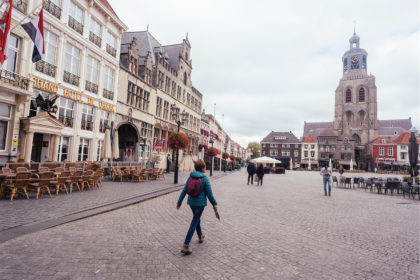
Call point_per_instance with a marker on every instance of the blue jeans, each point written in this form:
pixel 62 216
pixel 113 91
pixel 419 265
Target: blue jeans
pixel 327 180
pixel 195 224
pixel 259 180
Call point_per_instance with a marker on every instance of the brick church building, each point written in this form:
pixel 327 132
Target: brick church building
pixel 356 113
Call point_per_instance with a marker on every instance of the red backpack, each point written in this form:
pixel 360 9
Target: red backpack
pixel 194 187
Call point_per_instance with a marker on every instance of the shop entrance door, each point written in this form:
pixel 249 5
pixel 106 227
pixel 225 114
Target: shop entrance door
pixel 37 147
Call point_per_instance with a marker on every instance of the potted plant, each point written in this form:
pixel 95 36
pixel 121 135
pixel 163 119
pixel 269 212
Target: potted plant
pixel 225 155
pixel 212 152
pixel 178 140
pixel 201 146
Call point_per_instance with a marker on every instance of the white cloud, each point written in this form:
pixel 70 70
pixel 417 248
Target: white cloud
pixel 271 65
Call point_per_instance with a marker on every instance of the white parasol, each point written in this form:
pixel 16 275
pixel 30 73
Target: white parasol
pixel 106 146
pixel 115 146
pixel 309 164
pixel 351 164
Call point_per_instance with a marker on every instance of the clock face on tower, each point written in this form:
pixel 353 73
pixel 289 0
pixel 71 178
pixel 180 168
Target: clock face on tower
pixel 355 62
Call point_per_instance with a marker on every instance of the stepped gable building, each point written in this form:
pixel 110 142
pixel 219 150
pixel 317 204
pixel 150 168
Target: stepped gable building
pixel 356 112
pixel 284 146
pixel 163 73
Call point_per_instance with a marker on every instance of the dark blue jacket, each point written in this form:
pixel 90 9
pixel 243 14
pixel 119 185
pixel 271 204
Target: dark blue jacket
pixel 201 199
pixel 251 168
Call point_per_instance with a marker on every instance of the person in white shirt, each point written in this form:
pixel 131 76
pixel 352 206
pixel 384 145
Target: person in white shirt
pixel 326 173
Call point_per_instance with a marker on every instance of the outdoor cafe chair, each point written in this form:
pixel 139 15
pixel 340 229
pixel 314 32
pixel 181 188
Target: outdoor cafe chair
pixel 6 171
pixel 59 169
pixel 347 181
pixel 61 181
pixel 334 179
pixel 43 169
pixel 86 179
pixel 369 184
pixel 342 181
pixel 144 174
pixel 21 169
pixel 95 179
pixel 136 174
pixel 42 184
pixel 161 174
pixel 392 185
pixel 356 181
pixel 18 185
pixel 74 180
pixel 117 173
pixel 405 189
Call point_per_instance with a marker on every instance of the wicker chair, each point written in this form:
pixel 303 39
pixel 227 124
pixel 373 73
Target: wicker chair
pixel 75 177
pixel 43 169
pixel 117 173
pixel 21 169
pixel 19 185
pixel 59 169
pixel 43 183
pixel 86 179
pixel 61 181
pixel 136 174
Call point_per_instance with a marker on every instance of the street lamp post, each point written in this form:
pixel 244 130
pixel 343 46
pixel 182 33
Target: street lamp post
pixel 211 162
pixel 175 114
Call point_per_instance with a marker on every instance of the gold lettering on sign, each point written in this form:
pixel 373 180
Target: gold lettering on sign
pixel 45 85
pixel 90 100
pixel 72 94
pixel 106 106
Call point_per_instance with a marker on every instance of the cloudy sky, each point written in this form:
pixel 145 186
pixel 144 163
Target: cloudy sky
pixel 271 65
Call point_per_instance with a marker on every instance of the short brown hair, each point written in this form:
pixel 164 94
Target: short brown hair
pixel 199 165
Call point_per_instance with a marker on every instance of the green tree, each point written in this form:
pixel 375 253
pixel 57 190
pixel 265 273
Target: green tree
pixel 255 149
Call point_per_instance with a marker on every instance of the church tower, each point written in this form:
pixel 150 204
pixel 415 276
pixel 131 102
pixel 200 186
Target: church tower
pixel 355 98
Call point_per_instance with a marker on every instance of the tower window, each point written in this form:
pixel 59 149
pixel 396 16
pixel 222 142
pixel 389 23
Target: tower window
pixel 348 96
pixel 362 95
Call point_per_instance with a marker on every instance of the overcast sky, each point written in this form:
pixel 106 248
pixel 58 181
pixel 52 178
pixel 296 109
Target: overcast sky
pixel 271 65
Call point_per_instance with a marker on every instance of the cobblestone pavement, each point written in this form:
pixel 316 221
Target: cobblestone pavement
pixel 286 229
pixel 22 211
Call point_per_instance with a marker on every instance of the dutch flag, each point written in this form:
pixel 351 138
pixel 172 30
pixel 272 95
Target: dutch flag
pixel 35 30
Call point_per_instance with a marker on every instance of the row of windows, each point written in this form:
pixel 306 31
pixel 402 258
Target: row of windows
pixel 382 151
pixel 273 145
pixel 170 87
pixel 65 114
pixel 361 98
pixel 283 153
pixel 306 154
pixel 94 26
pixel 138 97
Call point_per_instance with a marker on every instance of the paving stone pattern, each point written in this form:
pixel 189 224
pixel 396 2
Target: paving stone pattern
pixel 286 229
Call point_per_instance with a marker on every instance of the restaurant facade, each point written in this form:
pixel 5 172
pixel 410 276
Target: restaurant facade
pixel 77 78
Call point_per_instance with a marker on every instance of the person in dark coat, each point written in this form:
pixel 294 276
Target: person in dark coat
pixel 260 174
pixel 251 172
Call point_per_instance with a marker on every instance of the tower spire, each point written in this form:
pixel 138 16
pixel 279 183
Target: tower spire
pixel 354 29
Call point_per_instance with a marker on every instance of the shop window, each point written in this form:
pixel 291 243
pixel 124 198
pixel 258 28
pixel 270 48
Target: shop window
pixel 83 149
pixel 63 148
pixel 5 112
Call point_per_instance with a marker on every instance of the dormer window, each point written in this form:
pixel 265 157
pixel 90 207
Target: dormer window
pixel 133 65
pixel 383 141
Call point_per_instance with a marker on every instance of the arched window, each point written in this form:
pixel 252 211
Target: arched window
pixel 348 96
pixel 362 95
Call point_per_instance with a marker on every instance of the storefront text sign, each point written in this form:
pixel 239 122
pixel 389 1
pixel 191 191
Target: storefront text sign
pixel 72 94
pixel 106 106
pixel 45 85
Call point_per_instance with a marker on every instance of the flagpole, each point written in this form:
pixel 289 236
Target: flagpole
pixel 29 15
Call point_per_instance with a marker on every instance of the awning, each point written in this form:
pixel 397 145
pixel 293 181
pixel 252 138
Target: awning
pixel 346 162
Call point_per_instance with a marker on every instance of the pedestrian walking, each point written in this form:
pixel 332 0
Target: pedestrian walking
pixel 260 174
pixel 198 189
pixel 326 176
pixel 251 172
pixel 168 163
pixel 341 170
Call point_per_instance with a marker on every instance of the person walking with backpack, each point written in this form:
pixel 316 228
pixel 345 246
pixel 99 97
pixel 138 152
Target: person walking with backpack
pixel 260 174
pixel 198 189
pixel 251 172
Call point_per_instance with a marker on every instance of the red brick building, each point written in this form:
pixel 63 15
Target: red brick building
pixel 384 150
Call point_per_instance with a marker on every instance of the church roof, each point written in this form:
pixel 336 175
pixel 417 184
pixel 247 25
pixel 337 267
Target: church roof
pixel 280 137
pixel 403 123
pixel 315 128
pixel 327 132
pixel 145 43
pixel 173 52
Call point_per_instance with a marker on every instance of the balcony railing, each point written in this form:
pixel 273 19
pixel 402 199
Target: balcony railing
pixel 91 87
pixel 86 125
pixel 71 78
pixel 14 79
pixel 21 5
pixel 76 25
pixel 66 121
pixel 103 126
pixel 46 68
pixel 111 50
pixel 108 94
pixel 95 39
pixel 52 8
